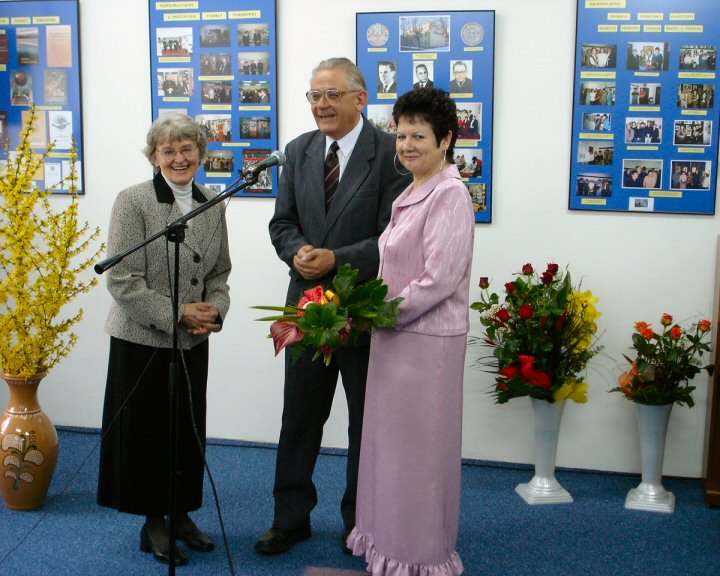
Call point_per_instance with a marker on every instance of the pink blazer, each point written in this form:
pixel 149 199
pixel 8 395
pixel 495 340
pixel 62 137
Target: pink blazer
pixel 426 255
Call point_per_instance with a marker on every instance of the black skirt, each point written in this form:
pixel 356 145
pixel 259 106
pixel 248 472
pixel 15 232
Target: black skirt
pixel 135 447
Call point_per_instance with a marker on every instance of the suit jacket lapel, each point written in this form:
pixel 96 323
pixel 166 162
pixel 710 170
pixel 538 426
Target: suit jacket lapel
pixel 313 171
pixel 356 171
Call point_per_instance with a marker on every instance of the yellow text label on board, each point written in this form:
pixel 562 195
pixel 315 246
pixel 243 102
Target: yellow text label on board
pixel 244 14
pixel 182 17
pixel 605 4
pixel 176 6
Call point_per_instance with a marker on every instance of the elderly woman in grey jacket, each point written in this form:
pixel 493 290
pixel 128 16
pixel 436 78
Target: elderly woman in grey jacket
pixel 134 458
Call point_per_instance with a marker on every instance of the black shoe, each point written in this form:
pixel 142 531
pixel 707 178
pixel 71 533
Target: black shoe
pixel 160 552
pixel 345 535
pixel 277 541
pixel 196 539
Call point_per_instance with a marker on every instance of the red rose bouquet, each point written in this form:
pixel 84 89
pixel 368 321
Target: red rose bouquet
pixel 326 319
pixel 541 335
pixel 665 363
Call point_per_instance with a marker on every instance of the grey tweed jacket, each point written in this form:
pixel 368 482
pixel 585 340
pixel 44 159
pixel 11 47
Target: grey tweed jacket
pixel 140 285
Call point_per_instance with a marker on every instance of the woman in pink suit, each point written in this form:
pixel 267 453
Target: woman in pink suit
pixel 408 502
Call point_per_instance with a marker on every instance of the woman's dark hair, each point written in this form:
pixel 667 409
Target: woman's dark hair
pixel 433 106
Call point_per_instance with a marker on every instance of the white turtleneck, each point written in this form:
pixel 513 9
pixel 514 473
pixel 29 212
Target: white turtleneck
pixel 183 196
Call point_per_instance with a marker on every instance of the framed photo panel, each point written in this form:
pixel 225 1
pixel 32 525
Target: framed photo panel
pixel 40 68
pixel 645 116
pixel 455 51
pixel 219 65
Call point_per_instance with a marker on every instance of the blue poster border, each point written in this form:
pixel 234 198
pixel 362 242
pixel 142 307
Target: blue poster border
pixel 34 71
pixel 637 145
pixel 219 65
pixel 437 40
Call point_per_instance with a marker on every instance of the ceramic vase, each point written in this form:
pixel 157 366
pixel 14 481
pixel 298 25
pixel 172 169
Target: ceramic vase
pixel 650 494
pixel 28 446
pixel 544 488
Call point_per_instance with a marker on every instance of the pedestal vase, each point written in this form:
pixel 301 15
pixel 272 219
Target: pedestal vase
pixel 650 494
pixel 28 446
pixel 544 488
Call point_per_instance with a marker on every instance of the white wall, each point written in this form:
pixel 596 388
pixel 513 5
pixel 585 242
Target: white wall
pixel 640 265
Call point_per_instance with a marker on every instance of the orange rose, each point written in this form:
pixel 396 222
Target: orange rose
pixel 676 332
pixel 666 319
pixel 647 333
pixel 640 326
pixel 704 325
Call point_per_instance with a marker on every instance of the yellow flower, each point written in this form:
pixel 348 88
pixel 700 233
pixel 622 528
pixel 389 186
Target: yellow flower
pixel 39 248
pixel 573 390
pixel 330 296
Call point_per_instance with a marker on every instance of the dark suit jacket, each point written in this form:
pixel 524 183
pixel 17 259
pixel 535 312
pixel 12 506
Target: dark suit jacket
pixel 429 84
pixel 466 88
pixel 359 212
pixel 392 89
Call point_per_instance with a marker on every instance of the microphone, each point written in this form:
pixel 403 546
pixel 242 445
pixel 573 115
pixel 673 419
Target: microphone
pixel 277 158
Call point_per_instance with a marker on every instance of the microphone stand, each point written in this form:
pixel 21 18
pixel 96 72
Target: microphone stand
pixel 175 233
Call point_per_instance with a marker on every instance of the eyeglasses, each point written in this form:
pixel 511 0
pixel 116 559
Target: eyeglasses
pixel 170 153
pixel 331 95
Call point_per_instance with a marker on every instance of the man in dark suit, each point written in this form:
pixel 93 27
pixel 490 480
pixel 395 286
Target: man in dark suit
pixel 387 82
pixel 313 235
pixel 461 83
pixel 424 81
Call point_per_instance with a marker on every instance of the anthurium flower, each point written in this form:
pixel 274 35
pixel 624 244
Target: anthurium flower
pixel 284 334
pixel 313 295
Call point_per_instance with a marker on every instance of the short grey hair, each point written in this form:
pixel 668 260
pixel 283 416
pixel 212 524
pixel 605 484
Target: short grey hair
pixel 355 79
pixel 172 128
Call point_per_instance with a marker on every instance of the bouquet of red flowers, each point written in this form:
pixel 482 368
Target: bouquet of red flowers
pixel 665 363
pixel 542 335
pixel 327 318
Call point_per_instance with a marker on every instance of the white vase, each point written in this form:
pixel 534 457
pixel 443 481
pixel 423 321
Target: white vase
pixel 650 494
pixel 544 488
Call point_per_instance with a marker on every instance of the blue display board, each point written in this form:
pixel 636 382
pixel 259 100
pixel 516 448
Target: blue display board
pixel 455 51
pixel 645 113
pixel 40 66
pixel 217 62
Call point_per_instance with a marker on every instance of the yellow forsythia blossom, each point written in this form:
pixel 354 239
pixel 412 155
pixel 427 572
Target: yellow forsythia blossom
pixel 41 263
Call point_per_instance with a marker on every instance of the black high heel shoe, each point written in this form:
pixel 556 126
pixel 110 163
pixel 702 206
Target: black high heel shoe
pixel 196 539
pixel 160 552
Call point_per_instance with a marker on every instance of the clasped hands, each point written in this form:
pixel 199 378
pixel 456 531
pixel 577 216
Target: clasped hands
pixel 313 263
pixel 200 318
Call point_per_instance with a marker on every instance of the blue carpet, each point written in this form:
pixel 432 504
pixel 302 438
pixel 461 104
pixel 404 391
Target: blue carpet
pixel 499 534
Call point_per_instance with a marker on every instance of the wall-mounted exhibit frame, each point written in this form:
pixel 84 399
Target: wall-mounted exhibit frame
pixel 645 112
pixel 219 65
pixel 452 50
pixel 40 67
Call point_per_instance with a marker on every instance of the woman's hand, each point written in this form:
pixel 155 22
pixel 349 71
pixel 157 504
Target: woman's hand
pixel 200 318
